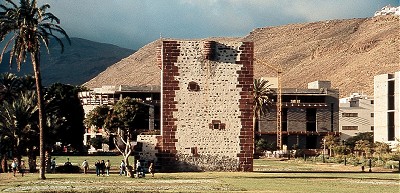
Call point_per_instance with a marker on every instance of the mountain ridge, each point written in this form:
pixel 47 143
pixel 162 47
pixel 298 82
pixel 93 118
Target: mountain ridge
pixel 347 52
pixel 81 61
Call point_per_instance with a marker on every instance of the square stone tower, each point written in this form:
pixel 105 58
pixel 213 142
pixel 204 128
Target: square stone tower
pixel 207 106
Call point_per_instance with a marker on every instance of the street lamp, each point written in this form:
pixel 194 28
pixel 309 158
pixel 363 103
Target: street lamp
pixel 323 153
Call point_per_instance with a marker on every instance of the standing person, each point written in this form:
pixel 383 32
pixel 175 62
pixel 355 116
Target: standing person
pixel 102 167
pixel 151 169
pixel 14 166
pixel 97 164
pixel 22 168
pixel 4 165
pixel 85 166
pixel 122 168
pixel 138 169
pixel 53 166
pixel 108 166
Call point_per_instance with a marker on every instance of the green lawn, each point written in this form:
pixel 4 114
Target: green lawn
pixel 307 178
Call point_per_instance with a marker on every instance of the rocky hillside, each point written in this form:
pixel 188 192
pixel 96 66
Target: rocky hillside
pixel 80 62
pixel 347 52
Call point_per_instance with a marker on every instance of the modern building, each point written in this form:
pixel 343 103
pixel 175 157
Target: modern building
pixel 356 115
pixel 387 108
pixel 109 95
pixel 307 116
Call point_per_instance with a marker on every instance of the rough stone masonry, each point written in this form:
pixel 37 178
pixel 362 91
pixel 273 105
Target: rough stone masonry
pixel 207 104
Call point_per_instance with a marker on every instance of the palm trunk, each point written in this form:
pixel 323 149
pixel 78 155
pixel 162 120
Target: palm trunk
pixel 36 70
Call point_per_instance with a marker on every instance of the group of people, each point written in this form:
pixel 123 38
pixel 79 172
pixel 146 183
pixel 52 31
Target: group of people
pixel 139 169
pixel 101 167
pixel 18 167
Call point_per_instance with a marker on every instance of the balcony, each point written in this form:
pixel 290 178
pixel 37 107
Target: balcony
pixel 303 105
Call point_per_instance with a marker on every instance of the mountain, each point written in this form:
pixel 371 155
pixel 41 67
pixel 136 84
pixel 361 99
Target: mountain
pixel 81 61
pixel 347 52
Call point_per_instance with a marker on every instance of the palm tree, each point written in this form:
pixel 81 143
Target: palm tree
pixel 9 86
pixel 30 27
pixel 17 123
pixel 262 100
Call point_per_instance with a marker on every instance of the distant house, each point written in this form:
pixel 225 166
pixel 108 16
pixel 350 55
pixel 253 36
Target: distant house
pixel 109 95
pixel 356 115
pixel 387 108
pixel 388 10
pixel 307 116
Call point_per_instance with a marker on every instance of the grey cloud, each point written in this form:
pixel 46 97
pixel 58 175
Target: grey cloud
pixel 134 23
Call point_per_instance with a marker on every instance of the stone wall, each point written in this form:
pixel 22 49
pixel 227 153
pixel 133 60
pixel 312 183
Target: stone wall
pixel 149 151
pixel 206 106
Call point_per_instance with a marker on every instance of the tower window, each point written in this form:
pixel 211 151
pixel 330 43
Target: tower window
pixel 193 86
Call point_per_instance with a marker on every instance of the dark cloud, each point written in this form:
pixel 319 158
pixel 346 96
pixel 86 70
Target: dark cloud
pixel 134 23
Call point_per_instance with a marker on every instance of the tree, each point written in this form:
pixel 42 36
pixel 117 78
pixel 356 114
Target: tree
pixel 30 27
pixel 18 125
pixel 363 146
pixel 368 136
pixel 97 116
pixel 120 120
pixel 64 115
pixel 262 101
pixel 9 86
pixel 381 148
pixel 331 141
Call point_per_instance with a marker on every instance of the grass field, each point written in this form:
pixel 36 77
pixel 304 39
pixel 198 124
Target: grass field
pixel 270 176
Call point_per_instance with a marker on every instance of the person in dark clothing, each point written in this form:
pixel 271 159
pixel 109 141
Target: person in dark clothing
pixel 102 167
pixel 97 165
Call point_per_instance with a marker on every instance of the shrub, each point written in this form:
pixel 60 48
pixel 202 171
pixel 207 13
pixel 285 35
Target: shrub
pixel 67 169
pixel 392 165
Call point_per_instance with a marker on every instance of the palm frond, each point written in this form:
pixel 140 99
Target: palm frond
pixel 12 3
pixel 262 96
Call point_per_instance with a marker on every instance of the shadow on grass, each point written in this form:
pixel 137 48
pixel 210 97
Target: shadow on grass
pixel 330 172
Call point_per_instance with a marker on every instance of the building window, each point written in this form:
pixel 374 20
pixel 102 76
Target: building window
pixel 391 126
pixel 217 125
pixel 372 102
pixel 372 114
pixel 372 128
pixel 193 150
pixel 349 114
pixel 354 104
pixel 349 127
pixel 193 86
pixel 391 88
pixel 311 117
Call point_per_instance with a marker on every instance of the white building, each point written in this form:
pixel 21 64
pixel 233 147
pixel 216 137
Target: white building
pixel 356 115
pixel 387 108
pixel 388 10
pixel 109 95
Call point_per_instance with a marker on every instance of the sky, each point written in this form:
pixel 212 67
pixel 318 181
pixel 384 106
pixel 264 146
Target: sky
pixel 135 23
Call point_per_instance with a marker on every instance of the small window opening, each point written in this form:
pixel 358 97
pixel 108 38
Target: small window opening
pixel 217 125
pixel 193 86
pixel 193 150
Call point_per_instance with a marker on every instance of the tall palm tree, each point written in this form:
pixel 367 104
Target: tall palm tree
pixel 30 27
pixel 262 100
